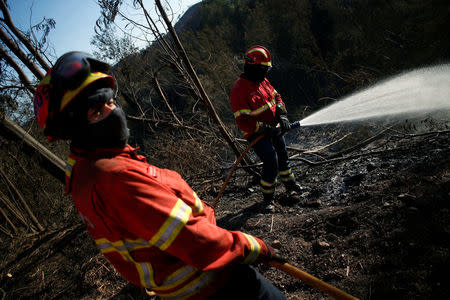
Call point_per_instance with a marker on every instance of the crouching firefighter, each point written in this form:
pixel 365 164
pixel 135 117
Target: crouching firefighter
pixel 147 221
pixel 258 109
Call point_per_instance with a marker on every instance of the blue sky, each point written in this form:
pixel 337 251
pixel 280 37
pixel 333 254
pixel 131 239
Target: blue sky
pixel 75 19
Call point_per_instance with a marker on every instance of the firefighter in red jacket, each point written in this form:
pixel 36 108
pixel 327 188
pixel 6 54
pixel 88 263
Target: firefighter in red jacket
pixel 258 109
pixel 147 221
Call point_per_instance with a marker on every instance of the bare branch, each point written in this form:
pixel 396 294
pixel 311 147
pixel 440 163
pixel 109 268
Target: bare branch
pixel 19 53
pixel 22 200
pixel 8 21
pixel 12 63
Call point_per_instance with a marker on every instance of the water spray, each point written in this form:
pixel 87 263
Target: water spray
pixel 419 91
pixel 415 93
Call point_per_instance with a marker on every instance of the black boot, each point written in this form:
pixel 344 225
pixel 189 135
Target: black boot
pixel 293 188
pixel 268 203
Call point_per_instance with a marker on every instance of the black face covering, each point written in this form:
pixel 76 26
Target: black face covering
pixel 111 132
pixel 255 73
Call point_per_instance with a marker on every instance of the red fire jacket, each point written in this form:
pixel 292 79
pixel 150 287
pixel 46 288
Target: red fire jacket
pixel 152 226
pixel 252 102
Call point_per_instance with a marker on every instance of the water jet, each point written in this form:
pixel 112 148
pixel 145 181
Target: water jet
pixel 414 93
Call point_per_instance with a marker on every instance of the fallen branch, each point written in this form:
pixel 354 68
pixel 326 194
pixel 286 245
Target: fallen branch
pixel 326 146
pixel 411 135
pixel 8 220
pixel 12 209
pixel 6 231
pixel 363 143
pixel 22 200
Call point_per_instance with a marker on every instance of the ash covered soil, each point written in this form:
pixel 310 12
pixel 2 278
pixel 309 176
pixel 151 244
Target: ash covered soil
pixel 373 220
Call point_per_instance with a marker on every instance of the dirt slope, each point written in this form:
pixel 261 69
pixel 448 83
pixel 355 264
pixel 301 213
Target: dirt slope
pixel 374 222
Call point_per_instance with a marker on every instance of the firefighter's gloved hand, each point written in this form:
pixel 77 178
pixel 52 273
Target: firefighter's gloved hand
pixel 276 255
pixel 271 131
pixel 281 116
pixel 284 123
pixel 272 255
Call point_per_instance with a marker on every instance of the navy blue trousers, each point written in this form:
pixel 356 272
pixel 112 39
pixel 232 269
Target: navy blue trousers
pixel 246 283
pixel 273 154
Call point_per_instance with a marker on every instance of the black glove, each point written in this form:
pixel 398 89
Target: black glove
pixel 272 255
pixel 270 131
pixel 284 123
pixel 281 116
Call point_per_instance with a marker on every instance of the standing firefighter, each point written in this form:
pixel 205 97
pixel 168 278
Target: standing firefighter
pixel 258 109
pixel 146 221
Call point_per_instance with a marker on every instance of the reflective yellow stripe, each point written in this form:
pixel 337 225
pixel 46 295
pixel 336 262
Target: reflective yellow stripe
pixel 259 50
pixel 198 209
pixel 188 290
pixel 70 94
pixel 267 184
pixel 263 108
pixel 242 112
pixel 69 166
pixel 177 277
pixel 263 53
pixel 267 191
pixel 255 112
pixel 145 270
pixel 255 249
pixel 291 177
pixel 244 133
pixel 287 172
pixel 172 226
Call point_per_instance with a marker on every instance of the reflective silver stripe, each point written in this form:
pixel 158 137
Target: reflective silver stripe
pixel 136 244
pixel 146 273
pixel 257 111
pixel 255 249
pixel 179 275
pixel 266 184
pixel 198 209
pixel 287 172
pixel 69 166
pixel 144 269
pixel 267 191
pixel 105 246
pixel 242 112
pixel 191 288
pixel 263 108
pixel 172 226
pixel 288 178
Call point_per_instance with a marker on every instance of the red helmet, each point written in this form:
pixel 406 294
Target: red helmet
pixel 258 55
pixel 71 74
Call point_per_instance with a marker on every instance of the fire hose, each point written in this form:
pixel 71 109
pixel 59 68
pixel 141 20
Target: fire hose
pixel 312 281
pixel 285 267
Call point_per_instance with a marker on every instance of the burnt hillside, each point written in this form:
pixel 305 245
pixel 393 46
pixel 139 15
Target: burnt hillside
pixel 374 216
pixel 373 221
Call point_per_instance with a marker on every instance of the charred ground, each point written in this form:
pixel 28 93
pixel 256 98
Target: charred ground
pixel 373 220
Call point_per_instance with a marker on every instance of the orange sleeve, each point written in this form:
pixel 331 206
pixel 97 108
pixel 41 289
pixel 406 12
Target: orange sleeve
pixel 177 222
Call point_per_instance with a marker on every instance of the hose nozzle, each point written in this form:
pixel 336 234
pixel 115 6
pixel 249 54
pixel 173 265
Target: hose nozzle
pixel 295 124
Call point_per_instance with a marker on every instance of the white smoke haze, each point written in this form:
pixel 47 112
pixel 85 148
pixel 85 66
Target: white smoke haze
pixel 418 92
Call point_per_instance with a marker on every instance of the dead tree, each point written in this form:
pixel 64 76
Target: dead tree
pixel 173 52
